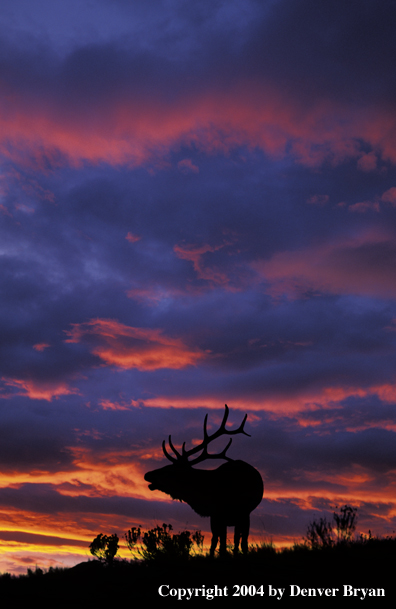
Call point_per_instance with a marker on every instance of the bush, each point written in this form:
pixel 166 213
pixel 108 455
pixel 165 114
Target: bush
pixel 159 543
pixel 319 534
pixel 36 573
pixel 345 523
pixel 104 547
pixel 323 533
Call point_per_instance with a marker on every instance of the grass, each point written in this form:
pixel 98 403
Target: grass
pixel 362 563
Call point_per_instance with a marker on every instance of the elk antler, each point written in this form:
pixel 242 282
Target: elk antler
pixel 184 456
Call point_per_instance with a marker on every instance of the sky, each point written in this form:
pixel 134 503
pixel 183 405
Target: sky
pixel 197 207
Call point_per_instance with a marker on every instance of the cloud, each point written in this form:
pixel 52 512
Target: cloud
pixel 389 196
pixel 108 103
pixel 134 133
pixel 41 346
pixel 362 265
pixel 187 166
pixel 132 238
pixel 367 162
pixel 38 390
pixel 127 347
pixel 108 405
pixel 195 254
pixel 318 199
pixel 364 206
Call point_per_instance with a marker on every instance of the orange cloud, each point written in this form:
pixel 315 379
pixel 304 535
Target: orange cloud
pixel 128 347
pixel 363 265
pixel 278 405
pixel 57 540
pixel 109 405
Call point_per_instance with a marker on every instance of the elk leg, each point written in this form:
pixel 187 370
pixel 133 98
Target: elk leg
pixel 219 530
pixel 237 538
pixel 213 545
pixel 223 539
pixel 214 527
pixel 245 526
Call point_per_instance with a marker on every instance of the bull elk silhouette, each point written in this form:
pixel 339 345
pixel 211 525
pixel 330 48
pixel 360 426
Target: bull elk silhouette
pixel 227 494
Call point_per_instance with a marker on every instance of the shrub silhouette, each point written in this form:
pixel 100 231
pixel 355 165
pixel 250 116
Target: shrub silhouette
pixel 104 547
pixel 159 543
pixel 345 523
pixel 319 534
pixel 36 573
pixel 325 533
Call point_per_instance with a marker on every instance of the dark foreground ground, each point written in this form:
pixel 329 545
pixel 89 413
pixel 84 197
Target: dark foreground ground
pixel 352 573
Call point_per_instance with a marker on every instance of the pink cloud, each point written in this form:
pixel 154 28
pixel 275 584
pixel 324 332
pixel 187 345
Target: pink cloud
pixel 364 265
pixel 4 210
pixel 134 130
pixel 364 206
pixel 41 346
pixel 39 390
pixel 187 166
pixel 154 294
pixel 367 162
pixel 318 200
pixel 132 238
pixel 195 254
pixel 390 196
pixel 109 405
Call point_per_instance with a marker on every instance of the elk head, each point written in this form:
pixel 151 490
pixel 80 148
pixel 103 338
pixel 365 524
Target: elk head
pixel 172 479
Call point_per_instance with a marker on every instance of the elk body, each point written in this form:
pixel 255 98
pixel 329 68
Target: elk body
pixel 227 494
